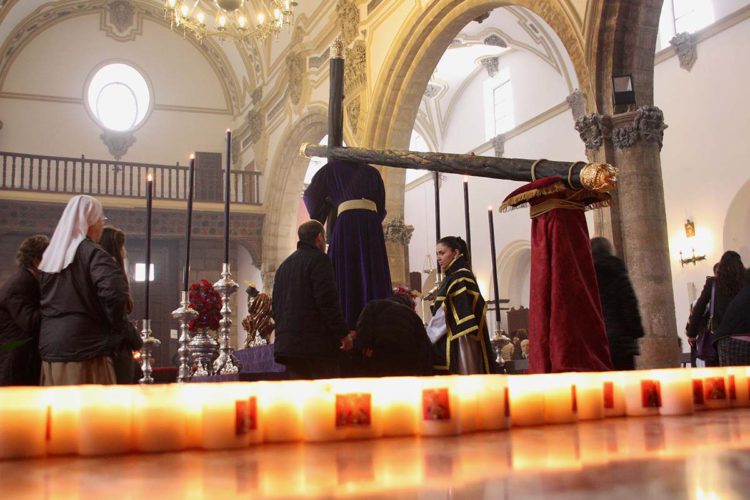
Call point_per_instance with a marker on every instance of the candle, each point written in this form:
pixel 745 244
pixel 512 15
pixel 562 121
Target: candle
pixel 642 393
pixel 526 393
pixel 715 390
pixel 468 389
pixel 676 391
pixel 398 400
pixel 560 404
pixel 436 180
pixel 493 410
pixel 281 406
pixel 63 419
pixel 189 223
pixel 230 416
pixel 613 392
pixel 494 267
pixel 105 420
pixel 340 409
pixel 227 179
pixel 739 390
pixel 149 202
pixel 319 410
pixel 466 213
pixel 190 398
pixel 158 419
pixel 23 422
pixel 589 396
pixel 440 407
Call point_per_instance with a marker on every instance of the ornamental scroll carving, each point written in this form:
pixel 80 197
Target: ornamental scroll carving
pixel 593 129
pixel 495 41
pixel 648 125
pixel 348 20
pixel 254 123
pixel 397 231
pixel 295 65
pixel 119 21
pixel 685 46
pixel 492 65
pixel 118 143
pixel 432 90
pixel 355 67
pixel 352 111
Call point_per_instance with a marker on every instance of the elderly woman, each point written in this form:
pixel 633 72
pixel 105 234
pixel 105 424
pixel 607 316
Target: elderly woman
pixel 84 295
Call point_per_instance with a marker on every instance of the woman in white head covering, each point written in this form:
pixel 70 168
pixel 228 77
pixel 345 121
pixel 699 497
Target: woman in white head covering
pixel 83 295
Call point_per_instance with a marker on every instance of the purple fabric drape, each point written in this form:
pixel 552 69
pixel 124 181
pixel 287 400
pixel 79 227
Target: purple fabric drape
pixel 357 246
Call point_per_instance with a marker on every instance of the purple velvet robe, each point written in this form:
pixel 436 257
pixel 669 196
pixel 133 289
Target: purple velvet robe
pixel 357 246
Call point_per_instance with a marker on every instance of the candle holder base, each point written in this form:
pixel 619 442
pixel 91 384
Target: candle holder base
pixel 184 314
pixel 148 343
pixel 227 362
pixel 498 339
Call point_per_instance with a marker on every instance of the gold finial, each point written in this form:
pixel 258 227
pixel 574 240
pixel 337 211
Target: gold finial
pixel 337 48
pixel 600 177
pixel 303 148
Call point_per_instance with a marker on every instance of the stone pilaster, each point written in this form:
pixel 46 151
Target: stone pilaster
pixel 397 237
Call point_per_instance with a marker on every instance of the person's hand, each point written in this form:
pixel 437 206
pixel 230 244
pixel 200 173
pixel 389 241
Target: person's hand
pixel 347 342
pixel 691 341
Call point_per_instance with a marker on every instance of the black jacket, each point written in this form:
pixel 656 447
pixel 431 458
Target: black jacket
pixel 619 306
pixel 19 322
pixel 83 307
pixel 397 338
pixel 306 309
pixel 702 307
pixel 736 320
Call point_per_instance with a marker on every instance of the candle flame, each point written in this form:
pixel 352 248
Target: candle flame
pixel 192 156
pixel 489 208
pixel 228 130
pixel 466 179
pixel 149 178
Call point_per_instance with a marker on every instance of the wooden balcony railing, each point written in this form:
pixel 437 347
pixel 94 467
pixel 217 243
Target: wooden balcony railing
pixel 53 174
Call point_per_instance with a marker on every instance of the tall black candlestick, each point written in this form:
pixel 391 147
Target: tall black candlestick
pixel 466 214
pixel 149 196
pixel 189 223
pixel 226 196
pixel 494 267
pixel 436 177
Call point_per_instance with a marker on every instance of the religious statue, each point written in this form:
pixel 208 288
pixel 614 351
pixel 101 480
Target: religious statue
pixel 258 323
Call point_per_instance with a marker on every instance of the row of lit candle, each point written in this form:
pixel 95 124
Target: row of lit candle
pixel 97 420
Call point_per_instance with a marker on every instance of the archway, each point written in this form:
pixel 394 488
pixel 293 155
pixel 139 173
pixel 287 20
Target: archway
pixel 514 271
pixel 737 224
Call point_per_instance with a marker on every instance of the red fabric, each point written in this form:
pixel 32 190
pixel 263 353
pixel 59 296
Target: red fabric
pixel 566 325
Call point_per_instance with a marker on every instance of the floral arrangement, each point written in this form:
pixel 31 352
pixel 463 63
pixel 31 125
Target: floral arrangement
pixel 207 302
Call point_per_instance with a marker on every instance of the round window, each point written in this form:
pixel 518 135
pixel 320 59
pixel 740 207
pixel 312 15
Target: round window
pixel 119 97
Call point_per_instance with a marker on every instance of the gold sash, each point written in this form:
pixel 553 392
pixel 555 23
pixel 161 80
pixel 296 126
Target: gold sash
pixel 361 204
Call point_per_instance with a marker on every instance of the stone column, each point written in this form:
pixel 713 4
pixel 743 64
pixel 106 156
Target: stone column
pixel 397 238
pixel 637 140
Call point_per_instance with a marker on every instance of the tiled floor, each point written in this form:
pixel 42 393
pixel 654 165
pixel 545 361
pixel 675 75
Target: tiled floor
pixel 704 456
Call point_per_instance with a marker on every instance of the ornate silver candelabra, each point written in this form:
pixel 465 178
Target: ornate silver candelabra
pixel 148 343
pixel 498 340
pixel 226 362
pixel 184 314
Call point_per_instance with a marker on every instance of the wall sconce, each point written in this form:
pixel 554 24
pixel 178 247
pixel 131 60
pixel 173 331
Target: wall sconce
pixel 622 90
pixel 690 233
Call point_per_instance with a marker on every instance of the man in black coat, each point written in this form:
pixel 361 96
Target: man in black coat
pixel 310 327
pixel 20 317
pixel 619 304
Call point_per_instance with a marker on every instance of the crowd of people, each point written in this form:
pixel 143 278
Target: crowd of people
pixel 64 313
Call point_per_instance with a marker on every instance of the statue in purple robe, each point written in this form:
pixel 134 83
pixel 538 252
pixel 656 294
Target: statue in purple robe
pixel 356 247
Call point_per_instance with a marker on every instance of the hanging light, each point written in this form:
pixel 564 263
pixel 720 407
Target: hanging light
pixel 231 20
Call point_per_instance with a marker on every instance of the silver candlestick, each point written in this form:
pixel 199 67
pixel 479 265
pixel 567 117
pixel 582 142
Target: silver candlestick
pixel 148 343
pixel 227 362
pixel 184 314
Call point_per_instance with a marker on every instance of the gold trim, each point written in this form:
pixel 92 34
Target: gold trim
pixel 601 177
pixel 533 168
pixel 554 204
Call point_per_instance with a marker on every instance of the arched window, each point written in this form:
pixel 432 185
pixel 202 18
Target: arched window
pixel 118 97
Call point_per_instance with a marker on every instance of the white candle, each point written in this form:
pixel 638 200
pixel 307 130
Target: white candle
pixel 281 407
pixel 468 388
pixel 319 410
pixel 440 407
pixel 356 410
pixel 158 419
pixel 715 390
pixel 560 405
pixel 676 391
pixel 493 410
pixel 642 393
pixel 398 401
pixel 106 420
pixel 526 400
pixel 589 396
pixel 190 398
pixel 613 393
pixel 230 417
pixel 23 423
pixel 63 419
pixel 739 391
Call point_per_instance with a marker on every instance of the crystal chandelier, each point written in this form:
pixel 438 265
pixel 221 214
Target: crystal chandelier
pixel 231 20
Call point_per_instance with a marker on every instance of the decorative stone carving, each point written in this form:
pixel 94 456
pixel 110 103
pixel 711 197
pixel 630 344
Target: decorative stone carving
pixel 593 129
pixel 686 47
pixel 347 13
pixel 118 143
pixel 257 95
pixel 432 90
pixel 121 21
pixel 397 231
pixel 491 64
pixel 456 42
pixel 254 123
pixel 295 65
pixel 355 67
pixel 236 147
pixel 352 111
pixel 495 41
pixel 498 143
pixel 577 103
pixel 122 14
pixel 648 125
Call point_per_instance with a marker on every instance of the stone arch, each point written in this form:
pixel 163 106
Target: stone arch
pixel 737 224
pixel 284 188
pixel 513 269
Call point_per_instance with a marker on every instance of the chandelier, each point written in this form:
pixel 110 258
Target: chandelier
pixel 230 21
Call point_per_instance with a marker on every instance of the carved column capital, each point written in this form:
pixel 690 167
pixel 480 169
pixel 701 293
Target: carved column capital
pixel 498 143
pixel 397 231
pixel 491 64
pixel 347 13
pixel 647 125
pixel 577 103
pixel 118 143
pixel 686 47
pixel 593 130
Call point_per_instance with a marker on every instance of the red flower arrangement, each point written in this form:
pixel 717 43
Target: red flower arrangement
pixel 207 301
